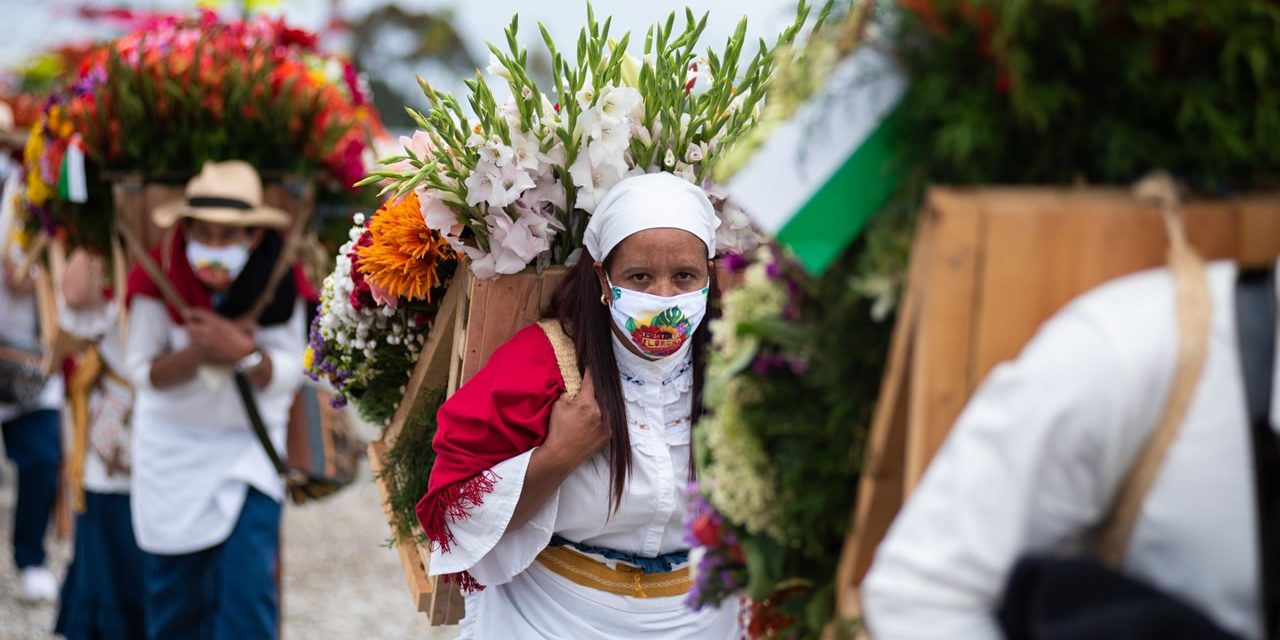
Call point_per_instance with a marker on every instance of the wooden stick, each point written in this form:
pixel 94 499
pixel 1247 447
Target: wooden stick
pixel 158 276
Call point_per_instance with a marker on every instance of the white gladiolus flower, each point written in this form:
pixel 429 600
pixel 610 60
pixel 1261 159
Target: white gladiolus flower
pixel 641 133
pixel 496 153
pixel 593 181
pixel 497 186
pixel 510 112
pixel 694 154
pixel 620 102
pixel 686 171
pixel 526 92
pixel 527 153
pixel 669 160
pixel 496 68
pixel 735 233
pixel 700 73
pixel 586 96
pixel 549 192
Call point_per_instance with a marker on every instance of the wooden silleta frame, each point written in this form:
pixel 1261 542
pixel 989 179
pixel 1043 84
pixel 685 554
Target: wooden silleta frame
pixel 988 266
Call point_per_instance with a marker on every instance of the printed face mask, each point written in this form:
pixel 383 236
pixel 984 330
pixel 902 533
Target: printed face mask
pixel 658 326
pixel 217 266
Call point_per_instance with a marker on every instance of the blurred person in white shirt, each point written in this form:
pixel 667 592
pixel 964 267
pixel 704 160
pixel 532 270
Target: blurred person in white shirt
pixel 206 498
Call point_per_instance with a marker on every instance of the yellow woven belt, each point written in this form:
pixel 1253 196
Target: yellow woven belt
pixel 624 580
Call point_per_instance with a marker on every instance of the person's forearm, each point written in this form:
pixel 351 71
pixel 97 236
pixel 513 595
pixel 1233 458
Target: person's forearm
pixel 547 471
pixel 175 367
pixel 260 376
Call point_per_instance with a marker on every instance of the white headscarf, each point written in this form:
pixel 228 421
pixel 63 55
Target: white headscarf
pixel 650 201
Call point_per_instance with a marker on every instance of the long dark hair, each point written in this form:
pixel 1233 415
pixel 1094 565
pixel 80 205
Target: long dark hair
pixel 576 304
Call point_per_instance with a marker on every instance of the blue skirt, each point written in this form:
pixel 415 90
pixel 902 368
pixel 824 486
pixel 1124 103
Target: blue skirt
pixel 102 597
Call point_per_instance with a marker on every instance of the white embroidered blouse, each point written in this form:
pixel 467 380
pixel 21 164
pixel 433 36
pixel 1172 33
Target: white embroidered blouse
pixel 649 522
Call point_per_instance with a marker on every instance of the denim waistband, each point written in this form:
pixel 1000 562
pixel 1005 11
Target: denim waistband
pixel 661 564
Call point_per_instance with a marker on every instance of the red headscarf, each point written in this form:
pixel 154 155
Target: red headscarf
pixel 190 288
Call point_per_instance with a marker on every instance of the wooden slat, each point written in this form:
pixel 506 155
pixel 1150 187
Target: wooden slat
pixel 1259 232
pixel 510 303
pixel 433 364
pixel 420 584
pixel 939 371
pixel 881 483
pixel 447 606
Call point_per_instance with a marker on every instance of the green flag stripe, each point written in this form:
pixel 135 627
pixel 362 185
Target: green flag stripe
pixel 839 210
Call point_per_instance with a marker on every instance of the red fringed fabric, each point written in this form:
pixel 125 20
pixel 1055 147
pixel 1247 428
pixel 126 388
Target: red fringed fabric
pixel 451 504
pixel 465 582
pixel 501 413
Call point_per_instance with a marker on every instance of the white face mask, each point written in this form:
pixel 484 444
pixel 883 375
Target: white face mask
pixel 217 266
pixel 657 325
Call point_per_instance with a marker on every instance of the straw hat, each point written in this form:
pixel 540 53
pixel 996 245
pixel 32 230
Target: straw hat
pixel 227 192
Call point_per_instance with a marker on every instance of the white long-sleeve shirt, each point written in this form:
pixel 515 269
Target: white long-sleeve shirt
pixel 525 600
pixel 1036 456
pixel 194 453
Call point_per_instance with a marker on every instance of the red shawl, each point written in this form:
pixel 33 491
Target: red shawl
pixel 499 414
pixel 184 280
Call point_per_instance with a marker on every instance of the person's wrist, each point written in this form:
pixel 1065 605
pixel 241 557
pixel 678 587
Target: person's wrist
pixel 249 362
pixel 558 457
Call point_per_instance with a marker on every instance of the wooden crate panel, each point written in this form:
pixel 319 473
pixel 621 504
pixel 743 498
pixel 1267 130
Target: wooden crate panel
pixel 509 303
pixel 1007 259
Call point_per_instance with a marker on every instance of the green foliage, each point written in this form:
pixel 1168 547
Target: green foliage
pixel 377 399
pixel 1054 92
pixel 407 468
pixel 798 380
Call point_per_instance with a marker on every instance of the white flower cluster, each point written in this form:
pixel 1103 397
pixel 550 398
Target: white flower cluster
pixel 738 476
pixel 520 180
pixel 352 335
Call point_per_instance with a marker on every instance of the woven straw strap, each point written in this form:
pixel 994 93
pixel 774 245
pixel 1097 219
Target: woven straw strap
pixel 1194 310
pixel 566 355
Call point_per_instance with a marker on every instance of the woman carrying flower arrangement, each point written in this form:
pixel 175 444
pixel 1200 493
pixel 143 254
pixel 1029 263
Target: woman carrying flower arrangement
pixel 206 498
pixel 562 514
pixel 102 594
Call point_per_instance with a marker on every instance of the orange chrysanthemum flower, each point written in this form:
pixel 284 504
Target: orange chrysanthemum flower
pixel 405 256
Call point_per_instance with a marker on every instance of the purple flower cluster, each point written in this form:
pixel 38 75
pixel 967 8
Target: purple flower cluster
pixel 324 365
pixel 720 572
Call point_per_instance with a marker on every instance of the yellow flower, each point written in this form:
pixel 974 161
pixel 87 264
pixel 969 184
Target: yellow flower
pixel 308 358
pixel 404 255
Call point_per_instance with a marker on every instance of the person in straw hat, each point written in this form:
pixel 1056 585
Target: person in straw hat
pixel 206 499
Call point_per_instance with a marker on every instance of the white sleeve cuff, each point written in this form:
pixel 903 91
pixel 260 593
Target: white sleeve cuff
pixel 284 344
pixel 87 324
pixel 482 544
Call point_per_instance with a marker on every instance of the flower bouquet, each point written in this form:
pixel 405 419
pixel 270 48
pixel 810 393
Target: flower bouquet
pixel 779 458
pixel 179 91
pixel 377 307
pixel 514 184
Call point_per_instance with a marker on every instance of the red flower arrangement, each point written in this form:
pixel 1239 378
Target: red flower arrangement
pixel 192 89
